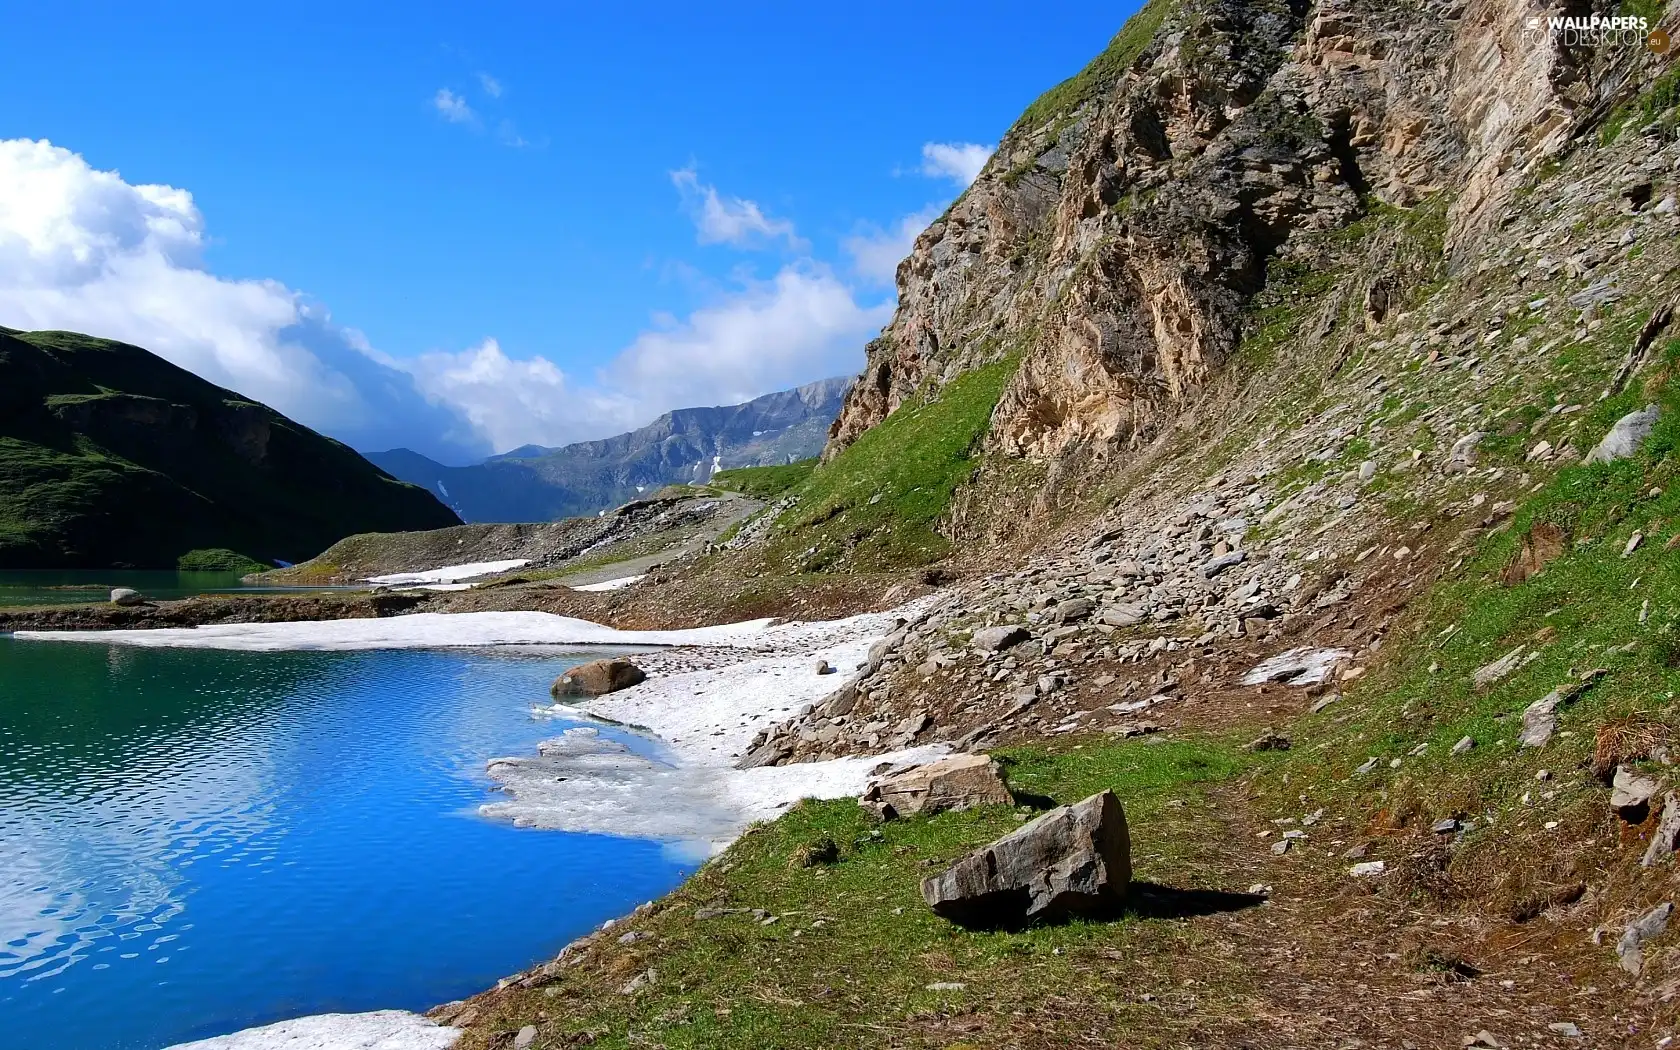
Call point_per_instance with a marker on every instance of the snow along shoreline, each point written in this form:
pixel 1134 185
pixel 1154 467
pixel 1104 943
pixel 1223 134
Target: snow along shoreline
pixel 707 694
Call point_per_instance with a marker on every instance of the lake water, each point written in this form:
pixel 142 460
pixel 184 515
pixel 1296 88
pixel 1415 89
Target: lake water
pixel 65 587
pixel 193 842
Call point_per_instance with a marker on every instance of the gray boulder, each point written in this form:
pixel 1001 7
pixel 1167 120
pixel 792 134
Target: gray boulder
pixel 1072 610
pixel 1630 949
pixel 598 677
pixel 1128 615
pixel 1626 437
pixel 996 639
pixel 1071 861
pixel 1631 795
pixel 127 596
pixel 956 782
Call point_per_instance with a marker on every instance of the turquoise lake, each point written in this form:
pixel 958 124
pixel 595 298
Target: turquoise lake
pixel 68 586
pixel 194 842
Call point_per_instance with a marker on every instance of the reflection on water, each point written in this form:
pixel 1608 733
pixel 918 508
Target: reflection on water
pixel 70 586
pixel 193 842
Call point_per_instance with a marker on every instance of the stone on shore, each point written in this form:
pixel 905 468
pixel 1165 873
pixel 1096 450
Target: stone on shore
pixel 127 596
pixel 956 782
pixel 598 677
pixel 1070 861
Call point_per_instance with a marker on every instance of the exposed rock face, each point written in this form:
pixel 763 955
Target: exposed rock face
pixel 1115 245
pixel 598 677
pixel 1073 860
pixel 958 782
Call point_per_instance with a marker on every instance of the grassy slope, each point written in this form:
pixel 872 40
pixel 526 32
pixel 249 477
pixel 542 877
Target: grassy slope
pixel 878 504
pixel 851 956
pixel 110 455
pixel 766 483
pixel 1066 97
pixel 1591 608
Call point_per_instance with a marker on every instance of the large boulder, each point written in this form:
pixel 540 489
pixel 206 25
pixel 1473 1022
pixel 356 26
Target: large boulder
pixel 598 677
pixel 1075 860
pixel 1626 437
pixel 127 596
pixel 995 639
pixel 956 782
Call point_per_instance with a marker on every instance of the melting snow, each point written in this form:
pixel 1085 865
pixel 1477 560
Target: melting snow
pixel 380 1030
pixel 448 574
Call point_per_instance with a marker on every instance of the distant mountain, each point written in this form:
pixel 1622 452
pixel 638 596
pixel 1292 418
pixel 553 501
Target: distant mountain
pixel 533 483
pixel 110 456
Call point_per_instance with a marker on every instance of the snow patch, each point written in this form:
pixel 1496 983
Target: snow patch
pixel 611 585
pixel 416 631
pixel 700 721
pixel 448 574
pixel 380 1030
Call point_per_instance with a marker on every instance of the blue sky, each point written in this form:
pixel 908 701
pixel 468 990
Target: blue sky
pixel 529 222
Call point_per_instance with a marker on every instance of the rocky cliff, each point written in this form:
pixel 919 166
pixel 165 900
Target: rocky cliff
pixel 1117 240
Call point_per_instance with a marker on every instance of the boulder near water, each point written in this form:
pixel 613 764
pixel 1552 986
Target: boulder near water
pixel 1075 860
pixel 127 596
pixel 956 782
pixel 598 677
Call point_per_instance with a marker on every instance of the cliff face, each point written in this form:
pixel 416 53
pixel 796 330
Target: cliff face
pixel 1116 239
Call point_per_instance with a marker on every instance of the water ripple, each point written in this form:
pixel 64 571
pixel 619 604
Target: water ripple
pixel 194 841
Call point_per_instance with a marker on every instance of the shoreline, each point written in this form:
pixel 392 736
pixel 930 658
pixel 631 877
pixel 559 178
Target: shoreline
pixel 709 690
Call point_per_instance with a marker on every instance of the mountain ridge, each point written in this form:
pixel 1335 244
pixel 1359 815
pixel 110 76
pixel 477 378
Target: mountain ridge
pixel 110 456
pixel 539 483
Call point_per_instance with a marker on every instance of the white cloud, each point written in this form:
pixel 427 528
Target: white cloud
pixel 730 220
pixel 958 161
pixel 519 403
pixel 801 325
pixel 876 253
pixel 81 249
pixel 490 84
pixel 453 107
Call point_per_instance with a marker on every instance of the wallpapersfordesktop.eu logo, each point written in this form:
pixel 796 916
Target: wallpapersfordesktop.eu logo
pixel 1597 31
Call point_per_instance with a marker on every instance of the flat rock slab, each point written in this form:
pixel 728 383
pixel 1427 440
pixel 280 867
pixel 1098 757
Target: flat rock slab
pixel 955 783
pixel 598 677
pixel 993 639
pixel 1075 860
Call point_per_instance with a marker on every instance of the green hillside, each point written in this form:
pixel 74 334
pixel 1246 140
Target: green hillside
pixel 111 456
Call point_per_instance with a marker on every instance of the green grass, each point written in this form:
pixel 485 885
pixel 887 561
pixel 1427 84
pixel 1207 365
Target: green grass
pixel 877 504
pixel 1588 603
pixel 1062 100
pixel 765 483
pixel 816 977
pixel 219 560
